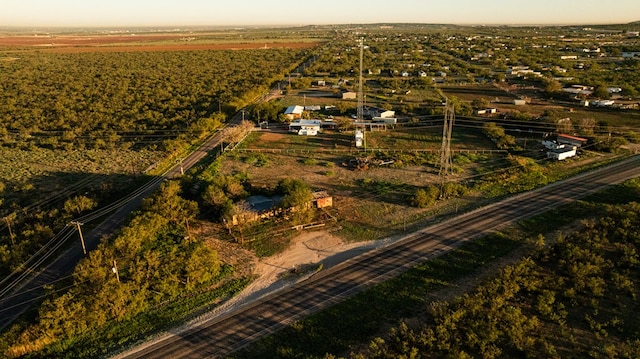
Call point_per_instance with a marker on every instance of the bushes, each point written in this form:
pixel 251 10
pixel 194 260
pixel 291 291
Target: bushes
pixel 157 262
pixel 425 197
pixel 428 196
pixel 533 308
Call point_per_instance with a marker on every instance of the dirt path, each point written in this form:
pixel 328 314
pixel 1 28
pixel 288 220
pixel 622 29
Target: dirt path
pixel 306 253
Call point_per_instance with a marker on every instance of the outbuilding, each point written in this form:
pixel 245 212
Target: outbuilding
pixel 293 112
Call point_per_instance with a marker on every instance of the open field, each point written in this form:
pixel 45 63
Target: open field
pixel 80 47
pixel 74 100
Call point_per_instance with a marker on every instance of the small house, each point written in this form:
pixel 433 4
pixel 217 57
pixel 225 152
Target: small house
pixel 305 127
pixel 571 140
pixel 562 152
pixel 519 102
pixel 372 112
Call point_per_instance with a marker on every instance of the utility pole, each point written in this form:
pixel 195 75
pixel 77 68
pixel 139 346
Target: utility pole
pixel 84 249
pixel 186 221
pixel 360 109
pixel 115 270
pixel 11 235
pixel 360 98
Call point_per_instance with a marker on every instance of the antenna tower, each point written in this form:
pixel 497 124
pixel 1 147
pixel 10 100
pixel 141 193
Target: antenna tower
pixel 445 151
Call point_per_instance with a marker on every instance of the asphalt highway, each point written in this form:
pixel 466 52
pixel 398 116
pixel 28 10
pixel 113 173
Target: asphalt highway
pixel 225 334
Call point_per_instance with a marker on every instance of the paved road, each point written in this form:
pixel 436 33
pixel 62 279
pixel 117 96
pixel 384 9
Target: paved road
pixel 220 336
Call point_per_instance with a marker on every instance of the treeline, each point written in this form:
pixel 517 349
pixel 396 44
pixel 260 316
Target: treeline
pixel 575 298
pixel 102 100
pixel 137 100
pixel 153 261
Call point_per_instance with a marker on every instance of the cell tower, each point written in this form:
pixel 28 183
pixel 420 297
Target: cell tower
pixel 445 152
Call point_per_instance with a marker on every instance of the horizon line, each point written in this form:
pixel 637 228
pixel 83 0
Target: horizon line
pixel 298 25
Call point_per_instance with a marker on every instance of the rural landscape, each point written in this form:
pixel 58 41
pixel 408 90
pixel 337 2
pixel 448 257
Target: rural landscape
pixel 155 184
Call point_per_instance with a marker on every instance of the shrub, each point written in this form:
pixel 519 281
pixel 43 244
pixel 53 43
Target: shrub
pixel 425 197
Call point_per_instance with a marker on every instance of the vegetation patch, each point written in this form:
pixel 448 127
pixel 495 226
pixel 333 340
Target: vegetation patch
pixel 583 285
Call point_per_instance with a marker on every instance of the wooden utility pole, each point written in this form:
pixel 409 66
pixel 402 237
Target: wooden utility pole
pixel 186 220
pixel 84 249
pixel 115 270
pixel 11 235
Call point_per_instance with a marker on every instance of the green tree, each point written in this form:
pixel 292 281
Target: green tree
pixel 296 193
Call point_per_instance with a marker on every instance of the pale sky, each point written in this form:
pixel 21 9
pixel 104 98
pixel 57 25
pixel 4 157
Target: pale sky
pixel 85 13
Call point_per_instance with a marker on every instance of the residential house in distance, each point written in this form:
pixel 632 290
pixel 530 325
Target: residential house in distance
pixel 293 112
pixel 565 146
pixel 305 127
pixel 562 152
pixel 373 112
pixel 564 139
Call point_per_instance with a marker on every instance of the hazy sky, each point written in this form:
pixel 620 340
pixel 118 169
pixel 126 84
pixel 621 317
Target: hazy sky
pixel 299 12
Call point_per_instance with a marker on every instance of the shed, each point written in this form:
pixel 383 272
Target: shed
pixel 348 95
pixel 359 138
pixel 293 112
pixel 322 199
pixel 519 102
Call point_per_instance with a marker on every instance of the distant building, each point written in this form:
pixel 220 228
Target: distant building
pixel 602 103
pixel 385 120
pixel 562 152
pixel 571 140
pixel 293 112
pixel 371 112
pixel 519 102
pixel 322 199
pixel 631 55
pixel 359 138
pixel 305 127
pixel 348 95
pixel 486 111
